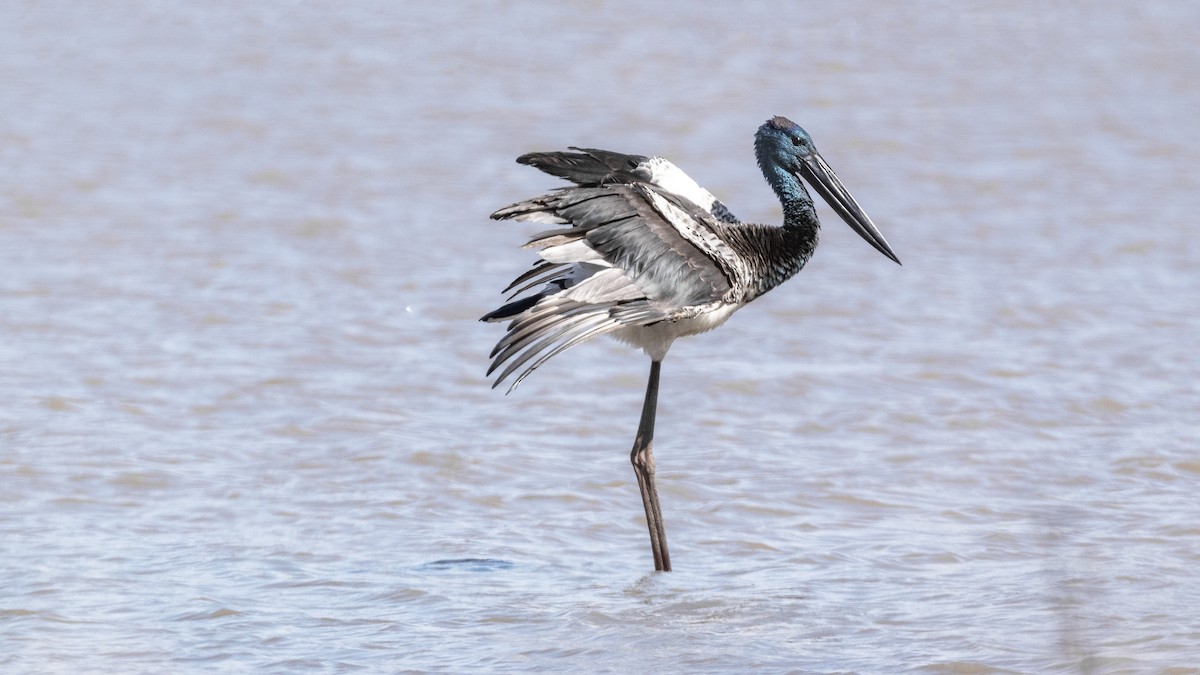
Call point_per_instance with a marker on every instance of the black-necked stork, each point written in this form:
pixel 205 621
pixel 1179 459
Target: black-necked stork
pixel 640 252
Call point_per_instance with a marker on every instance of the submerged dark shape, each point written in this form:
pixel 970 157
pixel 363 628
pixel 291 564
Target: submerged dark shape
pixel 638 251
pixel 468 565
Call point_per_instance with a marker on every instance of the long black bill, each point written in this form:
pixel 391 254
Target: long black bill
pixel 822 178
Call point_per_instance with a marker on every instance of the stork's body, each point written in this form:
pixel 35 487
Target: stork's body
pixel 642 253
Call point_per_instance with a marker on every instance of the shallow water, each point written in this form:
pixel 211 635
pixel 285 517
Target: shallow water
pixel 246 428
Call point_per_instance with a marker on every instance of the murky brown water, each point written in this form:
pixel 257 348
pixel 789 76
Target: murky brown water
pixel 245 426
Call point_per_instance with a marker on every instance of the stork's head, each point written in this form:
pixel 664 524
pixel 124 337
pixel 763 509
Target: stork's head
pixel 784 149
pixel 781 141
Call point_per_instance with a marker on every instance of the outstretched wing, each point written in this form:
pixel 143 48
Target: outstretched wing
pixel 626 255
pixel 590 167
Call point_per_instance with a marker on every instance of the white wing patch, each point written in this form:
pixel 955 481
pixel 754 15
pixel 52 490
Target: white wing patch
pixel 672 179
pixel 608 285
pixel 540 217
pixel 572 252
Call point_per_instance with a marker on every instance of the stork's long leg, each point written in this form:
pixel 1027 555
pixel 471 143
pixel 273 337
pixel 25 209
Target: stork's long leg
pixel 642 457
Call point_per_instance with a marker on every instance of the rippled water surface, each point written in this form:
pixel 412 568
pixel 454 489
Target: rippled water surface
pixel 245 428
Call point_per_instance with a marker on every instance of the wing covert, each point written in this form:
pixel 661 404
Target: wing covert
pixel 625 252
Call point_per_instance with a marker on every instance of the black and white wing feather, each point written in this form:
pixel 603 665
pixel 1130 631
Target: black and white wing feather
pixel 627 252
pixel 590 167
